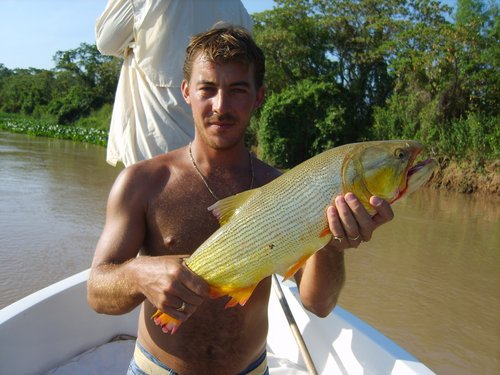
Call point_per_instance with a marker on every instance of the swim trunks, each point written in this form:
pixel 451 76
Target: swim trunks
pixel 144 363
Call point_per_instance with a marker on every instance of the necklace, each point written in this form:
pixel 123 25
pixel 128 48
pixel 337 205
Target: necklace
pixel 205 180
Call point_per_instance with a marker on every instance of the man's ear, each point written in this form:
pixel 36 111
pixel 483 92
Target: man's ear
pixel 261 94
pixel 185 91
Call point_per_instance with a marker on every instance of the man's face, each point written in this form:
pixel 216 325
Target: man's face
pixel 222 98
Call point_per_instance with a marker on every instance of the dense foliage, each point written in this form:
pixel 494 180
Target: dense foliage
pixel 301 121
pixel 337 71
pixel 398 69
pixel 80 90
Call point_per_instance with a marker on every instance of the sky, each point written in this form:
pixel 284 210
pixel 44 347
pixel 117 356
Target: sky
pixel 32 31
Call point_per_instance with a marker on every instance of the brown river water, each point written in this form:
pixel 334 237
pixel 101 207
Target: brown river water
pixel 429 280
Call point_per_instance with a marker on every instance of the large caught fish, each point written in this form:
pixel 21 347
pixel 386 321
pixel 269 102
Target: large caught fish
pixel 277 227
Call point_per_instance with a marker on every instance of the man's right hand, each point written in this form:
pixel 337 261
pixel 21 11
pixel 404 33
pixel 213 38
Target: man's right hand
pixel 171 286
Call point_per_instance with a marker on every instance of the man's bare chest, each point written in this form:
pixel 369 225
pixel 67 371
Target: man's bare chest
pixel 178 222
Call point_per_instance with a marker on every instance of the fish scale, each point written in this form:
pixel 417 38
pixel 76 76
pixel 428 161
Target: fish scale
pixel 293 207
pixel 275 228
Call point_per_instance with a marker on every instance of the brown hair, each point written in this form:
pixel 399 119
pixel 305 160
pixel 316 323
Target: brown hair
pixel 226 44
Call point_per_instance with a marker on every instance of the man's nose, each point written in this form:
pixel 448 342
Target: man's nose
pixel 221 102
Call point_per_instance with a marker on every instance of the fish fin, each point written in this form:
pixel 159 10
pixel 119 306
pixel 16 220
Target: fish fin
pixel 215 292
pixel 166 322
pixel 296 266
pixel 238 296
pixel 325 232
pixel 226 208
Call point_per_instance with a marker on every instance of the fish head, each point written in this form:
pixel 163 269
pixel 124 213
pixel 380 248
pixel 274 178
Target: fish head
pixel 386 169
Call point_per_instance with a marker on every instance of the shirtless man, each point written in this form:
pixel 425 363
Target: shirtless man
pixel 158 209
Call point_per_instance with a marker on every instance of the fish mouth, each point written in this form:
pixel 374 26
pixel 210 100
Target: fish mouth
pixel 418 167
pixel 417 175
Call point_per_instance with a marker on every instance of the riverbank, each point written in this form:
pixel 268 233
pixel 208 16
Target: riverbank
pixel 468 177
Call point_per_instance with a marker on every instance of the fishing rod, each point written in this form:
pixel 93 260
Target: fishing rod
pixel 311 368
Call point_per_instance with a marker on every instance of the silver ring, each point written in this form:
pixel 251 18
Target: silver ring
pixel 338 239
pixel 354 238
pixel 182 308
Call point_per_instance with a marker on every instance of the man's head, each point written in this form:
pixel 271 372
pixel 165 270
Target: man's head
pixel 224 70
pixel 223 45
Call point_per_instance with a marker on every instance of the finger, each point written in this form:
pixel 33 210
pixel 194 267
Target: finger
pixel 349 224
pixel 183 285
pixel 365 222
pixel 347 205
pixel 182 311
pixel 184 292
pixel 171 304
pixel 174 313
pixel 384 211
pixel 194 283
pixel 335 224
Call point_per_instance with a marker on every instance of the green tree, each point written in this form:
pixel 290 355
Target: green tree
pixel 301 121
pixel 23 90
pixel 77 103
pixel 446 86
pixel 294 42
pixel 479 57
pixel 86 67
pixel 346 42
pixel 82 83
pixel 86 80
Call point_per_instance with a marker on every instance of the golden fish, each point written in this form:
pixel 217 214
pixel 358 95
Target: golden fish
pixel 277 227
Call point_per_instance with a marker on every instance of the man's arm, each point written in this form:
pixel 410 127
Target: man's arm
pixel 322 278
pixel 113 287
pixel 119 280
pixel 114 28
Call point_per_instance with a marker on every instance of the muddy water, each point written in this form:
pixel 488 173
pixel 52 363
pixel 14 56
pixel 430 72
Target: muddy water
pixel 430 280
pixel 52 205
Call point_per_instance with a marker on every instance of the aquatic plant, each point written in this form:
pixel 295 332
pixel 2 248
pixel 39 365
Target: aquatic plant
pixel 46 129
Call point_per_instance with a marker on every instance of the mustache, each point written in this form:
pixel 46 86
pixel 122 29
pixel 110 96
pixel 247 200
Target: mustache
pixel 227 117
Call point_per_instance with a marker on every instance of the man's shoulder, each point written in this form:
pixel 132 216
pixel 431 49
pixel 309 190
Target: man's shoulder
pixel 152 172
pixel 158 164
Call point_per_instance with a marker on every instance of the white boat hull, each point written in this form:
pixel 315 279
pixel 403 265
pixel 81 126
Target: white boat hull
pixel 55 324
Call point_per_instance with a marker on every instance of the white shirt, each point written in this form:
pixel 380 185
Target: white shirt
pixel 150 116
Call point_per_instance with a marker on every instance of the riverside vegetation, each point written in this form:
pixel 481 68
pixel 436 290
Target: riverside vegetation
pixel 337 72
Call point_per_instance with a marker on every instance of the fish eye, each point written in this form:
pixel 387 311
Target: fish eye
pixel 399 153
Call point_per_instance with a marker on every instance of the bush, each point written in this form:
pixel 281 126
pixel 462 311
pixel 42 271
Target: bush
pixel 475 137
pixel 301 121
pixel 77 103
pixel 98 119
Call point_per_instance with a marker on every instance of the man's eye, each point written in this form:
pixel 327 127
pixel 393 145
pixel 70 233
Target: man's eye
pixel 239 90
pixel 206 90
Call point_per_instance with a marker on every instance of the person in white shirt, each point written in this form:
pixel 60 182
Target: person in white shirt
pixel 150 116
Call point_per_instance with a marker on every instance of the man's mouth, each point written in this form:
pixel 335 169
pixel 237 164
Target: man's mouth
pixel 221 120
pixel 220 124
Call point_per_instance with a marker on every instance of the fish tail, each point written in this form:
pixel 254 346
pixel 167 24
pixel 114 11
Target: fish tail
pixel 167 323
